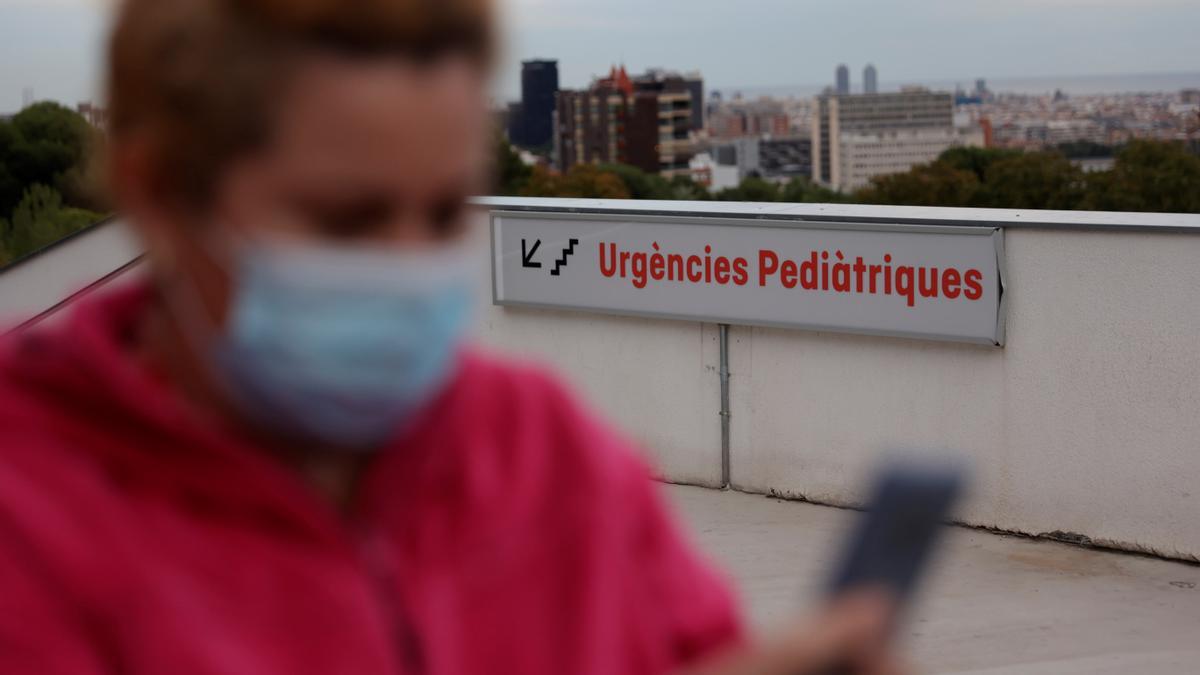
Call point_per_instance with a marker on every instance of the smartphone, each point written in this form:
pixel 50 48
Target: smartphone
pixel 893 541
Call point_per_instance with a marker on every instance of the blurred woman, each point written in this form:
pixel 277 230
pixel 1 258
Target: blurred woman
pixel 276 454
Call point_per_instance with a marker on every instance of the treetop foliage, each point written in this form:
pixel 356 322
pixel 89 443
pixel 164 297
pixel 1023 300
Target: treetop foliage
pixel 46 178
pixel 1147 176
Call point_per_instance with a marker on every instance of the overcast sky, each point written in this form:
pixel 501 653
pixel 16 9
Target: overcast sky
pixel 54 45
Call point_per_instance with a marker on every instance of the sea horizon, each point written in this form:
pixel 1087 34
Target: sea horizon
pixel 1072 85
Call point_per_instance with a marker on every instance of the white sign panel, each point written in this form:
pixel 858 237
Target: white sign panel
pixel 932 282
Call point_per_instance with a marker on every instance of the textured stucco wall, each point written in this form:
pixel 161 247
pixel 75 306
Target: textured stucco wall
pixel 42 282
pixel 657 380
pixel 1087 422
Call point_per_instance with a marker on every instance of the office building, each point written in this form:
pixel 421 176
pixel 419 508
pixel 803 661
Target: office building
pixel 870 80
pixel 786 157
pixel 94 114
pixel 843 80
pixel 532 125
pixel 591 126
pixel 692 82
pixel 910 110
pixel 777 159
pixel 645 122
pixel 695 86
pixel 863 156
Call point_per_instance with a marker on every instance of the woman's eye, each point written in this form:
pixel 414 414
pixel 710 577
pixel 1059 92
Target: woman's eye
pixel 446 217
pixel 353 220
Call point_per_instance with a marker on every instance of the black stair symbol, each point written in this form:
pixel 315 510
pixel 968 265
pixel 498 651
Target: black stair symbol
pixel 562 262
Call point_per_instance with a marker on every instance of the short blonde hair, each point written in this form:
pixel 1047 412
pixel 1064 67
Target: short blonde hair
pixel 200 76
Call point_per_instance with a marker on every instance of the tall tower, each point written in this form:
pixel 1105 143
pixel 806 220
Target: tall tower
pixel 539 84
pixel 870 80
pixel 843 79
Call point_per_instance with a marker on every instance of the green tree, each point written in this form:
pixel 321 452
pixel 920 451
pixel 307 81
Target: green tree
pixel 40 220
pixel 638 183
pixel 51 146
pixel 751 189
pixel 1036 180
pixel 936 184
pixel 975 160
pixel 583 180
pixel 683 187
pixel 5 257
pixel 801 190
pixel 11 186
pixel 512 173
pixel 1148 176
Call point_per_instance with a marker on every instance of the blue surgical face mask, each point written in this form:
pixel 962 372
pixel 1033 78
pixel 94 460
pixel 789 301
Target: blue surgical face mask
pixel 341 345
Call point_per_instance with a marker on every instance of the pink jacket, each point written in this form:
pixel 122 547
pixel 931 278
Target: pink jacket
pixel 508 532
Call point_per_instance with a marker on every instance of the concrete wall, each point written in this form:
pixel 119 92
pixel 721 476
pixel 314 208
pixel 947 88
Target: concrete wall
pixel 656 379
pixel 46 282
pixel 1087 422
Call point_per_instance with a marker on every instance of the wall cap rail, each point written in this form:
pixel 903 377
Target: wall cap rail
pixel 856 213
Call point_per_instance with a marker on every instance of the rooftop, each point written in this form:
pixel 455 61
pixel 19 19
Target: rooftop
pixel 996 604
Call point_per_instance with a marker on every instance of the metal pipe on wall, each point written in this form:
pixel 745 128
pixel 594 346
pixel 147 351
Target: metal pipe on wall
pixel 726 468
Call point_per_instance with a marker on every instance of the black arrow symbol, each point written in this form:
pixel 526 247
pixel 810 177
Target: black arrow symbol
pixel 527 257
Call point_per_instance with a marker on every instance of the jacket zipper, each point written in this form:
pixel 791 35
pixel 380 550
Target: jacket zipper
pixel 378 562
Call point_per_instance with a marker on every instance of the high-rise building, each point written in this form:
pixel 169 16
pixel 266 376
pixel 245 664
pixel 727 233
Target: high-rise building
pixel 645 122
pixel 776 159
pixel 843 80
pixel 695 86
pixel 863 156
pixel 873 115
pixel 591 125
pixel 94 114
pixel 533 127
pixel 870 80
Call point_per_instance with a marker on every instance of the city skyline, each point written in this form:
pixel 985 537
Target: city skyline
pixel 55 46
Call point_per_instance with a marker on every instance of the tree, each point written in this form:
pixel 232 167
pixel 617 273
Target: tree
pixel 1148 176
pixel 50 141
pixel 936 184
pixel 1036 180
pixel 751 189
pixel 801 190
pixel 975 160
pixel 583 180
pixel 40 220
pixel 11 186
pixel 638 183
pixel 684 188
pixel 512 173
pixel 6 258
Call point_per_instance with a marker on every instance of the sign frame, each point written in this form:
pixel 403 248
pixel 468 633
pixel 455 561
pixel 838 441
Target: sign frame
pixel 994 232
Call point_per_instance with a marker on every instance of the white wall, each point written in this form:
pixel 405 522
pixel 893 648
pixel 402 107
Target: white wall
pixel 656 379
pixel 40 284
pixel 1087 422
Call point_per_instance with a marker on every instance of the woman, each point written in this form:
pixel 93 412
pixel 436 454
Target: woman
pixel 275 455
